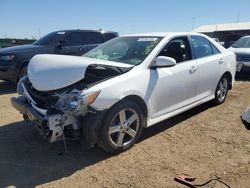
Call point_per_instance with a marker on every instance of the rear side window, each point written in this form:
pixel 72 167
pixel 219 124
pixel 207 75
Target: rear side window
pixel 202 46
pixel 108 36
pixel 74 39
pixel 215 50
pixel 93 38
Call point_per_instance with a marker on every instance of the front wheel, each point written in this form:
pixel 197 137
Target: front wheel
pixel 23 72
pixel 122 128
pixel 221 90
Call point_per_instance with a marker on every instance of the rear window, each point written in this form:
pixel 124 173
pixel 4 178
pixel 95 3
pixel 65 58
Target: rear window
pixel 108 36
pixel 215 50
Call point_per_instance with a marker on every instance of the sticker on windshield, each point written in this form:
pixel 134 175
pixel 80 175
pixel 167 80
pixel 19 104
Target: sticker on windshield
pixel 61 33
pixel 147 39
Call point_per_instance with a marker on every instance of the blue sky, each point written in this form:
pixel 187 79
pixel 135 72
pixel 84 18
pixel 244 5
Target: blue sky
pixel 24 18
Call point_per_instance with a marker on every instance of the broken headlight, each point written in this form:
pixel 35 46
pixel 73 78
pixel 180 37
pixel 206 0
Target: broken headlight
pixel 76 102
pixel 84 99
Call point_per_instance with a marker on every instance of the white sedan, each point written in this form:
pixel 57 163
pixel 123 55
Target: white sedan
pixel 110 94
pixel 242 50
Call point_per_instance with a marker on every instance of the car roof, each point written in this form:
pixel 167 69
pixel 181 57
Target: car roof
pixel 92 30
pixel 164 34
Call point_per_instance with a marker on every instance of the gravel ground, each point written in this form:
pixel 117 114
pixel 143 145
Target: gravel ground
pixel 203 142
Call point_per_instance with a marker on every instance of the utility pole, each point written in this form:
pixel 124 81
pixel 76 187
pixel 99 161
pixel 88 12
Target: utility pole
pixel 238 18
pixel 39 32
pixel 193 22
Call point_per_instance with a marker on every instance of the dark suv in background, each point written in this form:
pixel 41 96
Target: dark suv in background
pixel 14 60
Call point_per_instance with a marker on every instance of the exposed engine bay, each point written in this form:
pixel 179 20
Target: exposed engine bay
pixel 58 113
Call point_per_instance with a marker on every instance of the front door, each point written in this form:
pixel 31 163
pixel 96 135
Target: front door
pixel 175 87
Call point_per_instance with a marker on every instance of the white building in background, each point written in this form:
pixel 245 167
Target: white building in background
pixel 227 33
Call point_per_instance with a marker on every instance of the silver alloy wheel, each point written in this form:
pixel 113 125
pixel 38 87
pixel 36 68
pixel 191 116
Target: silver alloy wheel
pixel 222 91
pixel 124 127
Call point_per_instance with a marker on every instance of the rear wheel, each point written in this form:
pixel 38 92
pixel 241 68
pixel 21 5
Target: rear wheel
pixel 122 128
pixel 221 90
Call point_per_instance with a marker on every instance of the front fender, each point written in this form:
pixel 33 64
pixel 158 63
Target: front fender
pixel 90 126
pixel 108 100
pixel 135 82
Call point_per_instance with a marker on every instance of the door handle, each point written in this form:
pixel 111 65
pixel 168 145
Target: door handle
pixel 81 48
pixel 221 61
pixel 192 69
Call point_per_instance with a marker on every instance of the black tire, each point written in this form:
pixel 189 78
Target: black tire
pixel 130 132
pixel 23 72
pixel 247 125
pixel 221 90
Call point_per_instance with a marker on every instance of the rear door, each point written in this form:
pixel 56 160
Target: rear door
pixel 93 39
pixel 209 60
pixel 74 44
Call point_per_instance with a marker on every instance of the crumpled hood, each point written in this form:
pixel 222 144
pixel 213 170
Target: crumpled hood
pixel 50 72
pixel 240 50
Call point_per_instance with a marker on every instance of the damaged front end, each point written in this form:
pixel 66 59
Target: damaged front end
pixel 64 113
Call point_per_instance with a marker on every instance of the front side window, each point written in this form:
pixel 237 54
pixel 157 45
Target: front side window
pixel 129 50
pixel 177 48
pixel 202 46
pixel 50 39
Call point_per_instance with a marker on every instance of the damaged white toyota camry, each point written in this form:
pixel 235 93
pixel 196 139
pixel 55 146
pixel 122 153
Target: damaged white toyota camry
pixel 111 93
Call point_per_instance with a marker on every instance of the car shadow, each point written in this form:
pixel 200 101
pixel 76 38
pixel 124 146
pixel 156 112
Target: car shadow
pixel 7 87
pixel 27 160
pixel 242 77
pixel 166 124
pixel 247 125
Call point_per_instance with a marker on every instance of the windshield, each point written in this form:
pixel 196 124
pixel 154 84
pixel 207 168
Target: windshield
pixel 50 39
pixel 242 43
pixel 129 50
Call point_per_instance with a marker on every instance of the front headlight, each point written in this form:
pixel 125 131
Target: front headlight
pixel 7 57
pixel 79 104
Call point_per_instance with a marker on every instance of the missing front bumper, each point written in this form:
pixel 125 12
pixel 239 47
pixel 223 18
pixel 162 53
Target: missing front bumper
pixel 50 127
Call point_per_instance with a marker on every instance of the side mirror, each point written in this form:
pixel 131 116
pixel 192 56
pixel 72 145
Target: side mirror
pixel 61 43
pixel 164 61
